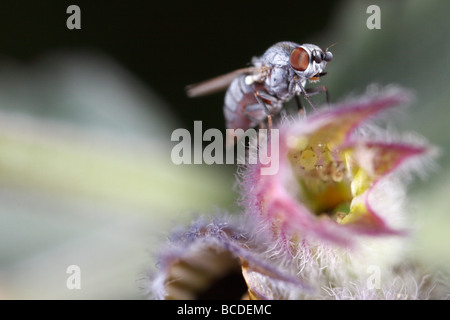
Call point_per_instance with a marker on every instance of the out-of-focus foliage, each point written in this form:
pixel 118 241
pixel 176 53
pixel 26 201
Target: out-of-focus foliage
pixel 86 178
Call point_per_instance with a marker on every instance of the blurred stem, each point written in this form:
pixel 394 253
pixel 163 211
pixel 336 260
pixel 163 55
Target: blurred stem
pixel 137 179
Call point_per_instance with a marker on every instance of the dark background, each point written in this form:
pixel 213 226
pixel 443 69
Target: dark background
pixel 166 44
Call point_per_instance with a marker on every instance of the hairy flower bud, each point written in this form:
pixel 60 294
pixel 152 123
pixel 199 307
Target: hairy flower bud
pixel 326 186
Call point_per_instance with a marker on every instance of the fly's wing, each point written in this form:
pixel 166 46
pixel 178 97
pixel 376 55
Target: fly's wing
pixel 219 83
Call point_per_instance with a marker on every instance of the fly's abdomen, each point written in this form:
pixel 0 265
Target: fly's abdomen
pixel 241 108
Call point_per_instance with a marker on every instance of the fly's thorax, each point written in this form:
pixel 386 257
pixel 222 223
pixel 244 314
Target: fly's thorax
pixel 278 54
pixel 277 81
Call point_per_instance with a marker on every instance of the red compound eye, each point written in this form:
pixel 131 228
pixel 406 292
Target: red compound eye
pixel 299 59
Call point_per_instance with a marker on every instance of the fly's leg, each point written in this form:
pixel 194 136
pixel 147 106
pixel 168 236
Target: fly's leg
pixel 269 122
pixel 295 89
pixel 262 95
pixel 299 103
pixel 301 111
pixel 305 94
pixel 259 97
pixel 317 90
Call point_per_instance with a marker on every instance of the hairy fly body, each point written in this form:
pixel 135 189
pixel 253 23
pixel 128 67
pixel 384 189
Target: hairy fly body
pixel 258 92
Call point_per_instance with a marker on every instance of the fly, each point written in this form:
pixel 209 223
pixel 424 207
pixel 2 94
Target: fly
pixel 258 92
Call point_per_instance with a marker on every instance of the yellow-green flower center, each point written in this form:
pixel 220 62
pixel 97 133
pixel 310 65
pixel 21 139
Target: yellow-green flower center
pixel 322 174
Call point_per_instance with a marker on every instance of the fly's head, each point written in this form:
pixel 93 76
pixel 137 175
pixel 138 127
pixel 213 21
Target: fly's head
pixel 309 61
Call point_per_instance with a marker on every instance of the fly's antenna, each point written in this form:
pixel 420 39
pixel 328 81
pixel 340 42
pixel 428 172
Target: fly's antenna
pixel 328 55
pixel 331 46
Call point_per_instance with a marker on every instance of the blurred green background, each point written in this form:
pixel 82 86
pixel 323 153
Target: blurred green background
pixel 86 117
